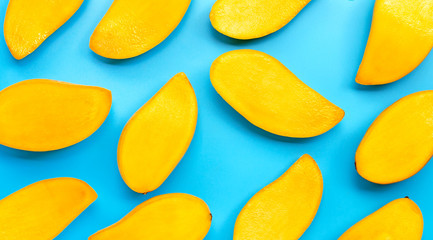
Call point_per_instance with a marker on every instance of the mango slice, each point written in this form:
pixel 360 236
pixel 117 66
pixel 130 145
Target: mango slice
pixel 249 19
pixel 175 216
pixel 399 219
pixel 271 97
pixel 42 210
pixel 285 208
pixel 133 27
pixel 44 115
pixel 399 142
pixel 155 139
pixel 29 23
pixel 401 36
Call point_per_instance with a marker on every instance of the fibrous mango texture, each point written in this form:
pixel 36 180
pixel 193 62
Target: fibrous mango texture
pixel 155 139
pixel 401 36
pixel 399 142
pixel 44 115
pixel 133 27
pixel 400 219
pixel 285 208
pixel 248 19
pixel 270 96
pixel 29 23
pixel 174 216
pixel 42 210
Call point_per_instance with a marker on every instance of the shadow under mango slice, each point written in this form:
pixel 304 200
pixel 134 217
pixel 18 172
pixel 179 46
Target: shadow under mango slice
pixel 43 115
pixel 42 210
pixel 249 19
pixel 401 36
pixel 270 96
pixel 400 219
pixel 175 216
pixel 133 27
pixel 29 23
pixel 399 143
pixel 285 208
pixel 155 139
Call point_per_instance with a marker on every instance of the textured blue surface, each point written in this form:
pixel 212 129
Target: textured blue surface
pixel 229 159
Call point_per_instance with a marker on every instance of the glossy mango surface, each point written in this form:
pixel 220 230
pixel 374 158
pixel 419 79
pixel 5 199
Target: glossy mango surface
pixel 43 115
pixel 400 219
pixel 42 210
pixel 155 139
pixel 285 208
pixel 399 143
pixel 133 27
pixel 29 23
pixel 175 216
pixel 249 19
pixel 270 96
pixel 401 36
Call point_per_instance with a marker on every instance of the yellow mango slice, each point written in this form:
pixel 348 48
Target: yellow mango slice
pixel 175 216
pixel 400 219
pixel 44 115
pixel 249 19
pixel 133 27
pixel 29 23
pixel 42 210
pixel 401 36
pixel 270 96
pixel 155 139
pixel 285 208
pixel 399 142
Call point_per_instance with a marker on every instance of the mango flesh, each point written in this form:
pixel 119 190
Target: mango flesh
pixel 133 27
pixel 285 208
pixel 400 219
pixel 44 115
pixel 42 210
pixel 249 19
pixel 29 23
pixel 175 216
pixel 399 142
pixel 401 36
pixel 270 96
pixel 155 139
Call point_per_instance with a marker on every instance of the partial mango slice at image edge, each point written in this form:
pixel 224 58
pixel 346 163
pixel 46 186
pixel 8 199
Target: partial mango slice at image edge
pixel 169 216
pixel 42 210
pixel 155 139
pixel 249 19
pixel 133 27
pixel 399 143
pixel 401 36
pixel 270 96
pixel 44 115
pixel 29 23
pixel 399 219
pixel 285 208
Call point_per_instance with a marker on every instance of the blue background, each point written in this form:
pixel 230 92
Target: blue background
pixel 229 159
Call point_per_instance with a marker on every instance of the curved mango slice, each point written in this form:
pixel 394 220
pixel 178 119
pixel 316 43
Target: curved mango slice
pixel 285 208
pixel 399 142
pixel 174 216
pixel 44 115
pixel 249 19
pixel 133 27
pixel 399 219
pixel 29 23
pixel 271 97
pixel 155 139
pixel 401 36
pixel 42 210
